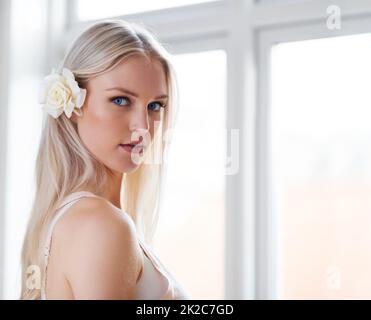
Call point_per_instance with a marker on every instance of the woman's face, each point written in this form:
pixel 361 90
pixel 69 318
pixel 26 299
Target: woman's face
pixel 122 106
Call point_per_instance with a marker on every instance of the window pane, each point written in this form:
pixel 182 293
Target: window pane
pixel 97 9
pixel 190 236
pixel 321 156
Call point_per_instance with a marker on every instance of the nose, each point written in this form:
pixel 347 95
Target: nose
pixel 139 124
pixel 139 120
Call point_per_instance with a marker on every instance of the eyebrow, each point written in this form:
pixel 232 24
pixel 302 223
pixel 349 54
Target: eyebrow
pixel 162 96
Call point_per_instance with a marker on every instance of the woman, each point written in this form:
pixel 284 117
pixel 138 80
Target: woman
pixel 99 170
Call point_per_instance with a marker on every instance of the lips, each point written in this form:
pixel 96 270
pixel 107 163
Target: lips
pixel 132 145
pixel 136 148
pixel 128 145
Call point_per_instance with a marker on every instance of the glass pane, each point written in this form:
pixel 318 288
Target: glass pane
pixel 321 156
pixel 97 9
pixel 190 236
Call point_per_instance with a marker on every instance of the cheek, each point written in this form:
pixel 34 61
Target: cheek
pixel 154 123
pixel 100 130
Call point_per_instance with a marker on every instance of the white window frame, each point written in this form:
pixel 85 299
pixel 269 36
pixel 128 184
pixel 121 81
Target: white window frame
pixel 245 29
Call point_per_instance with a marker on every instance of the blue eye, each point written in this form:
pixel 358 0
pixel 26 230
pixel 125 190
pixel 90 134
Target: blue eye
pixel 119 100
pixel 152 106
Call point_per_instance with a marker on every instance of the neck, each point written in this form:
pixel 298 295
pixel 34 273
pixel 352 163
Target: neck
pixel 112 193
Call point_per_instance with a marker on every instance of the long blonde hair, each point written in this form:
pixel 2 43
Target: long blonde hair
pixel 64 165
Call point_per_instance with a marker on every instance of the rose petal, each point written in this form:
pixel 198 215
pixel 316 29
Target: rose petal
pixel 69 108
pixel 80 99
pixel 73 86
pixel 67 73
pixel 71 82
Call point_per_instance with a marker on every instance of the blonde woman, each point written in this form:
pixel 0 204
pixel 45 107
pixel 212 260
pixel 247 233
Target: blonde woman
pixel 109 110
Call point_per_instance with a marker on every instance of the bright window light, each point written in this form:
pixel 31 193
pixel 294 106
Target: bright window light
pixel 321 157
pixel 190 236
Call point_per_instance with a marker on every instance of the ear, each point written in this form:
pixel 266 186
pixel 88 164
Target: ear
pixel 74 117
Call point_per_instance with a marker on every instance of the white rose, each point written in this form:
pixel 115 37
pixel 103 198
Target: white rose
pixel 61 93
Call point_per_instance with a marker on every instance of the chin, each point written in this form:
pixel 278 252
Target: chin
pixel 128 167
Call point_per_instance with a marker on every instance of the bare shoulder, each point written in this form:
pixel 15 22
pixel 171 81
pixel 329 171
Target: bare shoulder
pixel 91 210
pixel 99 249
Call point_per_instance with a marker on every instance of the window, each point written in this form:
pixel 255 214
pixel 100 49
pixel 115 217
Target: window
pixel 192 219
pixel 93 9
pixel 321 158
